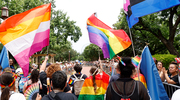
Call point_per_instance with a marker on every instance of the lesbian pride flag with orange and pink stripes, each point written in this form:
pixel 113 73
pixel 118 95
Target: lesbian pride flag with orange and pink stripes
pixel 26 33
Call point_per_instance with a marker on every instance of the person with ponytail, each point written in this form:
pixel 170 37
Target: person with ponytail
pixel 126 88
pixel 94 87
pixel 8 87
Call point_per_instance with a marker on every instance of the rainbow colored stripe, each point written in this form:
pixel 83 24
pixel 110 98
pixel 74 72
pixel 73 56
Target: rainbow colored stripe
pixel 110 41
pixel 142 79
pixel 71 82
pixel 135 61
pixel 87 91
pixel 121 60
pixel 26 33
pixel 32 90
pixel 177 60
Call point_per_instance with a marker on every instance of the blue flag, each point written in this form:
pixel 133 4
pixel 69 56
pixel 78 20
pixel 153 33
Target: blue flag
pixel 154 83
pixel 138 8
pixel 4 60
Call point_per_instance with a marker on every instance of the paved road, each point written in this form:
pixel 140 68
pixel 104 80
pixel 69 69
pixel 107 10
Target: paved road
pixel 86 70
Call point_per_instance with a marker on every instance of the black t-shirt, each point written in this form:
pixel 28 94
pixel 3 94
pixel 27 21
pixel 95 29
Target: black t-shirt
pixel 175 79
pixel 43 79
pixel 78 75
pixel 62 96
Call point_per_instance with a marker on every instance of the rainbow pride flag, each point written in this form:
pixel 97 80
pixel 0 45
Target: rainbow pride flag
pixel 110 41
pixel 71 82
pixel 87 91
pixel 135 61
pixel 26 33
pixel 141 78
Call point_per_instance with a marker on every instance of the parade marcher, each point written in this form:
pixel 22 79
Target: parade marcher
pixel 125 87
pixel 46 73
pixel 8 87
pixel 95 85
pixel 34 79
pixel 76 80
pixel 59 82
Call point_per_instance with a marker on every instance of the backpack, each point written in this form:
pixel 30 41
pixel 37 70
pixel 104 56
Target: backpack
pixel 78 83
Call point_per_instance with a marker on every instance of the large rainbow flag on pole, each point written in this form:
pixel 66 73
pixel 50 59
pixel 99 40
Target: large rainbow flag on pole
pixel 87 90
pixel 26 33
pixel 110 41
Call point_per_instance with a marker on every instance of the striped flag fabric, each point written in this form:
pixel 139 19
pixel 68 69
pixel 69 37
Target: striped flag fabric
pixel 71 82
pixel 4 59
pixel 138 8
pixel 141 78
pixel 26 33
pixel 110 41
pixel 135 61
pixel 87 90
pixel 149 70
pixel 177 60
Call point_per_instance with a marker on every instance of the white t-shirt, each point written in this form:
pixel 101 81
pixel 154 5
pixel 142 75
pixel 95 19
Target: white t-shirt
pixel 175 95
pixel 15 96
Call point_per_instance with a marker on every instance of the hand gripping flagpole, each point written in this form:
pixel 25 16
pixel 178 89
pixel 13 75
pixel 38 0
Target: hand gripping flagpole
pixel 132 42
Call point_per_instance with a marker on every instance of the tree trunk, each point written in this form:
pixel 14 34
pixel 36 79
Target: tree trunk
pixel 171 48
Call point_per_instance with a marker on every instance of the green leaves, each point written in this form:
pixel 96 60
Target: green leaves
pixel 91 52
pixel 60 29
pixel 159 29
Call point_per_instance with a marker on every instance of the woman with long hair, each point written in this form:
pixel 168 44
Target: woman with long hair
pixel 126 87
pixel 8 87
pixel 160 70
pixel 34 78
pixel 94 87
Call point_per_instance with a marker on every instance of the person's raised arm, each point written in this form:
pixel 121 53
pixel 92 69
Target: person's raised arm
pixel 162 75
pixel 170 81
pixel 100 65
pixel 43 66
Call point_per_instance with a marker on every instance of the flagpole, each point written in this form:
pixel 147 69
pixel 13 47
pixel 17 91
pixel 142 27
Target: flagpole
pixel 132 42
pixel 47 50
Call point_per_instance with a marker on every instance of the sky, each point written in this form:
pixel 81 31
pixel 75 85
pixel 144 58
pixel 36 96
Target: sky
pixel 80 10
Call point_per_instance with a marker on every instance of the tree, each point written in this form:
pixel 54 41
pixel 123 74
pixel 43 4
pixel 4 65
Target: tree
pixel 91 52
pixel 159 29
pixel 60 29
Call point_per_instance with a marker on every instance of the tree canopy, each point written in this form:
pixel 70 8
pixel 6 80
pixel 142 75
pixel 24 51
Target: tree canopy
pixel 92 52
pixel 160 30
pixel 60 29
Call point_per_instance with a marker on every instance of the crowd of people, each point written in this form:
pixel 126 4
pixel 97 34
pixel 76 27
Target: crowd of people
pixel 49 81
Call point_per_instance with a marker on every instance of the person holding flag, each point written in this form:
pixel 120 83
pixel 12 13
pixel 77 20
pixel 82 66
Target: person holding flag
pixel 126 88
